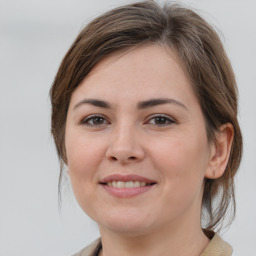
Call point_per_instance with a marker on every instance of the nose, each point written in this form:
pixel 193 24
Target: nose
pixel 124 146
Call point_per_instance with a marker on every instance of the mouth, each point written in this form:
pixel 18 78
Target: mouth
pixel 126 186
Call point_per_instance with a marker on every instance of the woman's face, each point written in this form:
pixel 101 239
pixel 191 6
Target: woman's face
pixel 136 143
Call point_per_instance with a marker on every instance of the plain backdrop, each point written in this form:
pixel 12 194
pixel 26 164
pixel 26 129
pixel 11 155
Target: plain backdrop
pixel 34 36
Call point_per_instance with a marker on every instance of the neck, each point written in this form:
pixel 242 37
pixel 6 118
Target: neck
pixel 187 238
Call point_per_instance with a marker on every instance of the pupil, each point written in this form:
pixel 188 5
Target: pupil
pixel 160 120
pixel 98 120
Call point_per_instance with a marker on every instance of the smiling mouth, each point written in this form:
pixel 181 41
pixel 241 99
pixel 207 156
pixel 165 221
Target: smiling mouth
pixel 127 184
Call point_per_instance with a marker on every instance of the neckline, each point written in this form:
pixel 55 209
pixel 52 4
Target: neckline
pixel 216 245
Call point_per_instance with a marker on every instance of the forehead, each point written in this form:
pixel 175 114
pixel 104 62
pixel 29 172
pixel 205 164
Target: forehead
pixel 143 72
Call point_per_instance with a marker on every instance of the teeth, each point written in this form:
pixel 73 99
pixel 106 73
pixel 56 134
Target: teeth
pixel 120 184
pixel 136 184
pixel 128 184
pixel 143 184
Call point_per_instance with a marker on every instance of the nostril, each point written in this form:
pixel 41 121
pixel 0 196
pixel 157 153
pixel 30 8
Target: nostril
pixel 113 158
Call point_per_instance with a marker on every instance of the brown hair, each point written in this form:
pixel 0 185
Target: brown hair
pixel 199 49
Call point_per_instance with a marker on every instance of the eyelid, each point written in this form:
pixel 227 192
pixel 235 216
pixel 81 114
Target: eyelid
pixel 84 120
pixel 167 117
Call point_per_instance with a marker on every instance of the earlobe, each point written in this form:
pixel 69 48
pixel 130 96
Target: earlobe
pixel 220 151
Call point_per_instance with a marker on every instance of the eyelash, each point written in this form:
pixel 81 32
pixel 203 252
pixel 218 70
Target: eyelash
pixel 165 118
pixel 86 121
pixel 92 118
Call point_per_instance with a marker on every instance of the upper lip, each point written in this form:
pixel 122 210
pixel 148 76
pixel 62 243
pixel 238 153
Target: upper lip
pixel 125 178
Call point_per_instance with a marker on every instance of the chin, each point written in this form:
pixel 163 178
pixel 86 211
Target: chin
pixel 126 224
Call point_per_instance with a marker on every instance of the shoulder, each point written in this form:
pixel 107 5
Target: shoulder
pixel 90 250
pixel 218 247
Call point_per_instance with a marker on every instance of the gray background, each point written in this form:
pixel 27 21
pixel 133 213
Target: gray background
pixel 34 36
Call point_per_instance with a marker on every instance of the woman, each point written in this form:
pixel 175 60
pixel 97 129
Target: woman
pixel 144 116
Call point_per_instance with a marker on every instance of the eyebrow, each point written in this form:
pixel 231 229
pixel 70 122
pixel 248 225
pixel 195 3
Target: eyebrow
pixel 159 101
pixel 141 105
pixel 94 102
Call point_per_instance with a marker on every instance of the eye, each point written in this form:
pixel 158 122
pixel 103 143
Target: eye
pixel 161 120
pixel 94 120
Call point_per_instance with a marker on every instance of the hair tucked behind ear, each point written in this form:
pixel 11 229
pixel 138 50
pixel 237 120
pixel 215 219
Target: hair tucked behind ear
pixel 201 53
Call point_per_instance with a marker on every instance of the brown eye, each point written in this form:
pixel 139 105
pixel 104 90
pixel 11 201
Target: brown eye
pixel 161 120
pixel 97 120
pixel 94 121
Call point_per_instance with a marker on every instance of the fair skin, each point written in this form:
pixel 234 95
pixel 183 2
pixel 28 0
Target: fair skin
pixel 136 114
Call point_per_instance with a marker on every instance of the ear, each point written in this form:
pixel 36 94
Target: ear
pixel 220 151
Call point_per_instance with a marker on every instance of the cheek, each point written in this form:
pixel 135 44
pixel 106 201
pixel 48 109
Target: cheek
pixel 84 157
pixel 181 162
pixel 181 153
pixel 83 153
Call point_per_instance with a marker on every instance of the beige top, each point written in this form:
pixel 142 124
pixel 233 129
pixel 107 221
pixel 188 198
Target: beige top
pixel 216 247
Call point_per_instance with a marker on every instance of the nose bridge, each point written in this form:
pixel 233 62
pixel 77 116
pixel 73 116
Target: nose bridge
pixel 124 145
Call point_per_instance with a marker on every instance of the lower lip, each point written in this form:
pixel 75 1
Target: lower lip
pixel 127 192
